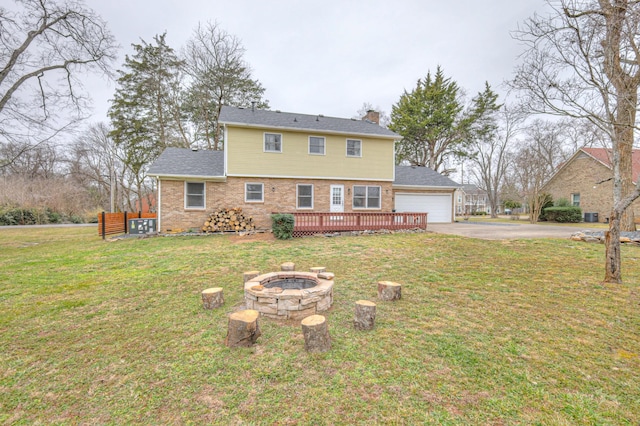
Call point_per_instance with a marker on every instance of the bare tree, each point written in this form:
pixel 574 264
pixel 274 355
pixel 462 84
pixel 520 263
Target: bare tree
pixel 219 76
pixel 45 45
pixel 536 158
pixel 583 61
pixel 95 163
pixel 493 153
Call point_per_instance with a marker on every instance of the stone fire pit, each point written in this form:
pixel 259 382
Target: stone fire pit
pixel 289 294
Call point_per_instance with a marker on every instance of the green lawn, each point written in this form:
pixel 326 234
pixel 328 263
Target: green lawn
pixel 487 332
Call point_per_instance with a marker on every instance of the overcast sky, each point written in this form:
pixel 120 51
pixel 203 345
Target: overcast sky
pixel 328 57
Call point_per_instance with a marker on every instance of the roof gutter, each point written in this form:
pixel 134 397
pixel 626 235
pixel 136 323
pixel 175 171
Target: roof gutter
pixel 183 177
pixel 398 186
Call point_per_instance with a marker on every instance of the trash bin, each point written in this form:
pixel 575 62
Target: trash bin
pixel 591 217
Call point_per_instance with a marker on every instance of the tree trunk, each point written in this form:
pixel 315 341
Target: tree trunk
pixel 243 329
pixel 316 334
pixel 612 250
pixel 365 315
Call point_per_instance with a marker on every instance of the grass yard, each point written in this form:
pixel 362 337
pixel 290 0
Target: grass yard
pixel 487 332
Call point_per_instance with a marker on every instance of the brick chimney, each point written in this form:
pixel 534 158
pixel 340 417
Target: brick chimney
pixel 372 116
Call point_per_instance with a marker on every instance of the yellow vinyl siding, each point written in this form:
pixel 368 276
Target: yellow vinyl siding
pixel 246 156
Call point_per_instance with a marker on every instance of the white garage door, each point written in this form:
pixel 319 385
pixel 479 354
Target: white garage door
pixel 437 205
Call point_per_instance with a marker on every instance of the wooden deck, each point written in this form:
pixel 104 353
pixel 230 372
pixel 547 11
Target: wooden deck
pixel 318 223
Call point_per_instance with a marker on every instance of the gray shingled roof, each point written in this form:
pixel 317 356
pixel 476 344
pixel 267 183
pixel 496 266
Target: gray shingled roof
pixel 288 120
pixel 422 176
pixel 185 162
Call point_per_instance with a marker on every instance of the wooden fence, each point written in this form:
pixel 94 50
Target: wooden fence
pixel 116 223
pixel 314 223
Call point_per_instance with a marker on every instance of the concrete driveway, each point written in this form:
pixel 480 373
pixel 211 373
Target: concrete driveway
pixel 502 230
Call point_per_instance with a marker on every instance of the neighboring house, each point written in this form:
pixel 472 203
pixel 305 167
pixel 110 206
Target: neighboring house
pixel 471 199
pixel 286 162
pixel 586 181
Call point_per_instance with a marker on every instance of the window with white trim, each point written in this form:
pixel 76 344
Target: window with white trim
pixel 366 197
pixel 253 192
pixel 194 195
pixel 316 145
pixel 272 142
pixel 354 148
pixel 304 196
pixel 575 200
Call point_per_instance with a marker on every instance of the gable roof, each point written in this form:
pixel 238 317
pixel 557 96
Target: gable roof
pixel 183 162
pixel 292 121
pixel 604 155
pixel 470 188
pixel 422 176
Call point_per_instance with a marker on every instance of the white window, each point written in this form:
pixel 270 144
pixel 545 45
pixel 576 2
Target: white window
pixel 305 196
pixel 316 145
pixel 194 195
pixel 575 200
pixel 272 142
pixel 253 192
pixel 354 148
pixel 366 197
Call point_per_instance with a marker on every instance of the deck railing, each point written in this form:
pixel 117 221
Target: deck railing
pixel 309 223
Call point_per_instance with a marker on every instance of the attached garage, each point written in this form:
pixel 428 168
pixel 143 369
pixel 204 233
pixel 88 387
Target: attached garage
pixel 422 190
pixel 439 206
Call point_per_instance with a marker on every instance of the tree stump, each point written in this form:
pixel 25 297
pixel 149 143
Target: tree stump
pixel 249 275
pixel 388 290
pixel 316 334
pixel 365 316
pixel 288 266
pixel 243 329
pixel 212 298
pixel 318 269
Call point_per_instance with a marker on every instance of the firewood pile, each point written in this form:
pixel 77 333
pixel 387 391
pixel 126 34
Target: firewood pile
pixel 228 220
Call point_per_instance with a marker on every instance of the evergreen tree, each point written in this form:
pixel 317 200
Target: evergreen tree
pixel 432 122
pixel 145 113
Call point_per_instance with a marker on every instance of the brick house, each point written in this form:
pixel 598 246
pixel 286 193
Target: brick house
pixel 586 181
pixel 286 162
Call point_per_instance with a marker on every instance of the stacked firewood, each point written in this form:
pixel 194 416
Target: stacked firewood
pixel 228 220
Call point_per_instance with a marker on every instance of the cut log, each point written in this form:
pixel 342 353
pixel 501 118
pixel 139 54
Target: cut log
pixel 223 220
pixel 388 290
pixel 212 298
pixel 288 266
pixel 243 329
pixel 316 334
pixel 365 315
pixel 249 275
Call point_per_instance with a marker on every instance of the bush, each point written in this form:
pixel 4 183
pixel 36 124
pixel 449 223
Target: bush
pixel 478 213
pixel 19 216
pixel 282 225
pixel 562 202
pixel 547 202
pixel 569 214
pixel 53 217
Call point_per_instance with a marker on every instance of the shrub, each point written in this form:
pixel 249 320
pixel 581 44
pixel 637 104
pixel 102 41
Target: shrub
pixel 569 214
pixel 562 202
pixel 53 217
pixel 547 201
pixel 19 216
pixel 282 225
